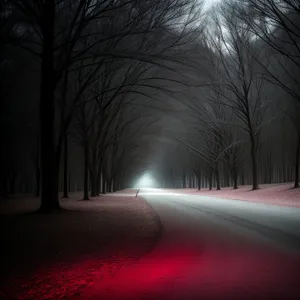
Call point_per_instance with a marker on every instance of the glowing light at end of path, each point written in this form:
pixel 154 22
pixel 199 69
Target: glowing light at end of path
pixel 146 181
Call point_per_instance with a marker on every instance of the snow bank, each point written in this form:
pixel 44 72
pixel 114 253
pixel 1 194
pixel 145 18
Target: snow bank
pixel 275 194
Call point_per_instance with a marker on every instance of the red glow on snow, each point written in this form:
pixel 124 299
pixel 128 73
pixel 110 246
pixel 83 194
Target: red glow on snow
pixel 187 263
pixel 182 272
pixel 154 270
pixel 187 273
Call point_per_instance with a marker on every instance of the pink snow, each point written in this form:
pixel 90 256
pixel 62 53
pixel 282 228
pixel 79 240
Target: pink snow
pixel 274 194
pixel 55 256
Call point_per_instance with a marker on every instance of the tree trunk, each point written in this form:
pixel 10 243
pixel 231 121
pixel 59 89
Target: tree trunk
pixel 217 177
pixel 183 181
pixel 254 163
pixel 116 185
pixel 296 183
pixel 98 183
pixel 86 174
pixel 190 181
pixel 69 182
pixel 65 192
pixel 227 178
pixel 242 178
pixel 199 180
pixel 120 183
pixel 113 189
pixel 93 183
pixel 109 185
pixel 210 179
pixel 103 185
pixel 93 179
pixel 235 178
pixel 270 169
pixel 49 161
pixel 98 178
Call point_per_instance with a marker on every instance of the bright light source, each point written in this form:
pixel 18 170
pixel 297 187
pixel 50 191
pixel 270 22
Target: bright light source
pixel 146 181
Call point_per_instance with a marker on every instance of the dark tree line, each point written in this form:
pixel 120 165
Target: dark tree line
pixel 95 81
pixel 91 58
pixel 242 122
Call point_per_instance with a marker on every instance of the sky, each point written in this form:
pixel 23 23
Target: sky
pixel 208 3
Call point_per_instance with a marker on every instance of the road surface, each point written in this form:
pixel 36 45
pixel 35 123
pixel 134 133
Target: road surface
pixel 213 249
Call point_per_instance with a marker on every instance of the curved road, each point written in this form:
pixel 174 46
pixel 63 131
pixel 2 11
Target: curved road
pixel 214 249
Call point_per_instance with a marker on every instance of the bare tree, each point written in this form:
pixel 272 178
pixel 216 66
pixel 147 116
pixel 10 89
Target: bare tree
pixel 59 28
pixel 276 24
pixel 236 51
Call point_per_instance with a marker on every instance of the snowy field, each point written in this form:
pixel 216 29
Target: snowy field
pixel 56 256
pixel 111 246
pixel 276 194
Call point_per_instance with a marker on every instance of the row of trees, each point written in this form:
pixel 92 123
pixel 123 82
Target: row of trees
pixel 95 69
pixel 91 59
pixel 244 125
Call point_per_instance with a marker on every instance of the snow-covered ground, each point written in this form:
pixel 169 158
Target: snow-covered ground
pixel 212 249
pixel 55 256
pixel 276 194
